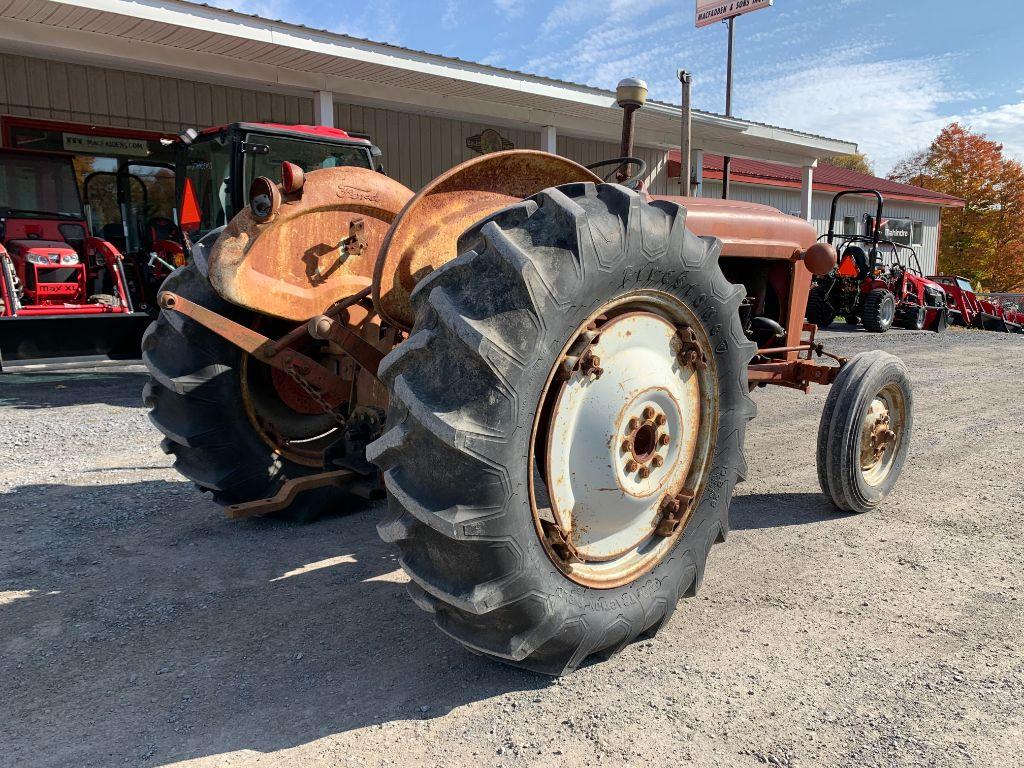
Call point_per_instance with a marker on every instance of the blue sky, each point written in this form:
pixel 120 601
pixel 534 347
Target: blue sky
pixel 887 74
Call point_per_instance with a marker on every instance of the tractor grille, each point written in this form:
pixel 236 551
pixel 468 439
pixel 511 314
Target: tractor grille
pixel 58 275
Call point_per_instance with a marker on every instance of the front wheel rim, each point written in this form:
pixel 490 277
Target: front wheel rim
pixel 882 434
pixel 623 439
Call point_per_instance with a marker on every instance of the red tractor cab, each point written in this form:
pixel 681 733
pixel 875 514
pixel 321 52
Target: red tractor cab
pixel 219 164
pixel 877 281
pixel 970 310
pixel 50 266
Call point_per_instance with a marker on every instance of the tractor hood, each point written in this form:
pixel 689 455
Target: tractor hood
pixel 746 229
pixel 52 250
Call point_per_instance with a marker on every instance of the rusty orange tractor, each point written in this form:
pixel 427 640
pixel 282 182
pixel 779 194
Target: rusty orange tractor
pixel 548 374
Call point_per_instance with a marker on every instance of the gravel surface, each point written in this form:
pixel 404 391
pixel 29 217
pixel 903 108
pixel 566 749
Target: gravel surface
pixel 139 627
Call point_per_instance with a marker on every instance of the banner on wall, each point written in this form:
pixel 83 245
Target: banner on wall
pixel 105 145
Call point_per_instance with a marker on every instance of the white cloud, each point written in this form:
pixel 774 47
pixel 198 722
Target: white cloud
pixel 1004 124
pixel 511 8
pixel 450 17
pixel 891 107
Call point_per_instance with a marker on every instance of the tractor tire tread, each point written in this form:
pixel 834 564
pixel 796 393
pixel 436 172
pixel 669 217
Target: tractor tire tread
pixel 485 324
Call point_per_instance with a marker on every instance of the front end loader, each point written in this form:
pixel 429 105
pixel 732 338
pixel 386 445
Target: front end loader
pixel 549 374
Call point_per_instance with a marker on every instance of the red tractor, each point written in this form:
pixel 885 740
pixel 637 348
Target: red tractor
pixel 62 291
pixel 968 309
pixel 877 281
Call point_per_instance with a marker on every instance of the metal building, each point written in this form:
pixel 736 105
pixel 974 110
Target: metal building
pixel 123 72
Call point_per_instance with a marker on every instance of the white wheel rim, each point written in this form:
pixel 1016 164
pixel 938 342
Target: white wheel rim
pixel 592 424
pixel 621 445
pixel 881 434
pixel 888 311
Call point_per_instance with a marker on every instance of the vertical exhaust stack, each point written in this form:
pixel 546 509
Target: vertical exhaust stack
pixel 685 172
pixel 631 95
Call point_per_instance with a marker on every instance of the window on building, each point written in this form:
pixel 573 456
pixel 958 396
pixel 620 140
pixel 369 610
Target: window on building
pixel 849 225
pixel 917 238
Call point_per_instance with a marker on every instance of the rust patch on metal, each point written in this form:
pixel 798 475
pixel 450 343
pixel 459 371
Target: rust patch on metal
pixel 287 493
pixel 319 246
pixel 427 231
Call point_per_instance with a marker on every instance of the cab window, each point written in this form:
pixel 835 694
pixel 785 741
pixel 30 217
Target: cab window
pixel 308 155
pixel 208 165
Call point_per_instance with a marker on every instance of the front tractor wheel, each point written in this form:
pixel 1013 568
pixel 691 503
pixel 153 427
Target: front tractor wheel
pixel 878 310
pixel 235 426
pixel 864 434
pixel 566 426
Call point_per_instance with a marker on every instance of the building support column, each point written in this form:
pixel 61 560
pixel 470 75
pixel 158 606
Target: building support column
pixel 696 183
pixel 549 139
pixel 807 191
pixel 323 108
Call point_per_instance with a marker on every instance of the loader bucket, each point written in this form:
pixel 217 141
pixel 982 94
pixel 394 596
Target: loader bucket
pixel 49 336
pixel 991 322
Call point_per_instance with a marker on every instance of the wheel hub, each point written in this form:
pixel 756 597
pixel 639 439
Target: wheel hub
pixel 628 437
pixel 879 436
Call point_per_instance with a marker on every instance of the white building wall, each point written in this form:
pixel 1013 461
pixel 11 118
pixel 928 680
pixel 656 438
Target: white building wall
pixel 416 147
pixel 787 200
pixel 54 90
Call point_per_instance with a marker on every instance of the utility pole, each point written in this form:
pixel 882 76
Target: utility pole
pixel 727 161
pixel 685 137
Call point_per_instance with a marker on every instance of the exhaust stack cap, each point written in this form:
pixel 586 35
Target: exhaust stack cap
pixel 631 92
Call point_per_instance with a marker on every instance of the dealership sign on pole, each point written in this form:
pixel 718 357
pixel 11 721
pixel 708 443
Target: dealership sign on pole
pixel 710 11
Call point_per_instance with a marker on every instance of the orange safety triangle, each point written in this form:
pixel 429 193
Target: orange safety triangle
pixel 848 267
pixel 191 218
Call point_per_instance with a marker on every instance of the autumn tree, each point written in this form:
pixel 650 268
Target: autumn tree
pixel 982 240
pixel 858 161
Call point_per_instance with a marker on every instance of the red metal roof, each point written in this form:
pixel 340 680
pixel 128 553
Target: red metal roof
pixel 827 178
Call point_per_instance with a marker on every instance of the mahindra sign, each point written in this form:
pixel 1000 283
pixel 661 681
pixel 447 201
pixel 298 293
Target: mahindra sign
pixel 710 11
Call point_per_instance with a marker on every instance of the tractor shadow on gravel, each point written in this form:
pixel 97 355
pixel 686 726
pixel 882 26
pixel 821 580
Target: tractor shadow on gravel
pixel 141 627
pixel 776 510
pixel 43 389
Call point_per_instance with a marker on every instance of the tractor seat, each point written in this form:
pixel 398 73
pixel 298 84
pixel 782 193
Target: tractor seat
pixel 860 258
pixel 162 228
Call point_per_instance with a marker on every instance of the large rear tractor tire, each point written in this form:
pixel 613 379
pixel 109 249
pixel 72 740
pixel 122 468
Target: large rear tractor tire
pixel 566 426
pixel 864 433
pixel 819 311
pixel 221 417
pixel 879 310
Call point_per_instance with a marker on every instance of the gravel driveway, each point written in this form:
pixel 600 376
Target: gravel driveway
pixel 139 627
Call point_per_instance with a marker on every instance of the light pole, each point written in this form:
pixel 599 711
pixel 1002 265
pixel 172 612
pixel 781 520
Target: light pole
pixel 727 161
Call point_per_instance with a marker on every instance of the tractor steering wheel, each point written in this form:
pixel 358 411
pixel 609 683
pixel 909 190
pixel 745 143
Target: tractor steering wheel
pixel 620 163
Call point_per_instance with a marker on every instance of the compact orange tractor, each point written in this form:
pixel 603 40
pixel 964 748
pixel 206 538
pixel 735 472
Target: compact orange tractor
pixel 550 373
